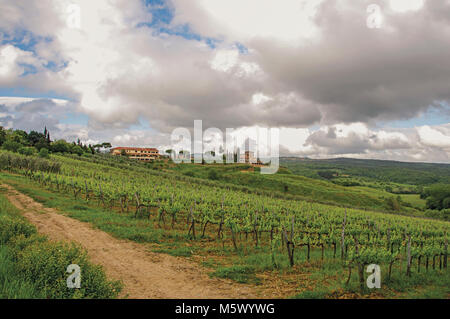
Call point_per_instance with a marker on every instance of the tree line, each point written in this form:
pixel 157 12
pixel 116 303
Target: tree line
pixel 33 142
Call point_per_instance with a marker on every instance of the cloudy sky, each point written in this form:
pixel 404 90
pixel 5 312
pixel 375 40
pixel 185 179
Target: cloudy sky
pixel 365 79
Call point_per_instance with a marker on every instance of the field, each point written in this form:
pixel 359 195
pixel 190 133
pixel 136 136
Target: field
pixel 313 239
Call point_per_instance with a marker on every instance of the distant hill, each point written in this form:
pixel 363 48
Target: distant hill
pixel 380 170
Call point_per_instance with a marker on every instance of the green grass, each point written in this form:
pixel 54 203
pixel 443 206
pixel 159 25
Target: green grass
pixel 176 251
pixel 12 285
pixel 240 274
pixel 414 200
pixel 382 171
pixel 313 294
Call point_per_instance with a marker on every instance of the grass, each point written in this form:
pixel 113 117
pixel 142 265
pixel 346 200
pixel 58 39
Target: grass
pixel 240 274
pixel 414 200
pixel 176 251
pixel 12 285
pixel 313 294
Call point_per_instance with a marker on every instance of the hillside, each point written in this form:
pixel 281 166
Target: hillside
pixel 229 230
pixel 286 184
pixel 379 170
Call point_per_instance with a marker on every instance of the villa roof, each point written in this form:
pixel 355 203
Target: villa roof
pixel 135 148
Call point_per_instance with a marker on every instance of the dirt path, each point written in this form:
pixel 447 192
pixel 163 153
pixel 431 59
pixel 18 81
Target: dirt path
pixel 145 274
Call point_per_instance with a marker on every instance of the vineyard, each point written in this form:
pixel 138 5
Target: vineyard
pixel 243 220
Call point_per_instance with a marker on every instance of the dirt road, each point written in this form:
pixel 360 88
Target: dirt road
pixel 145 274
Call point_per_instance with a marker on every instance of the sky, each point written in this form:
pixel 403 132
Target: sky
pixel 338 78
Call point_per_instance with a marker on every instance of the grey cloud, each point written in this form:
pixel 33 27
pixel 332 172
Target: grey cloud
pixel 36 114
pixel 362 74
pixel 39 105
pixel 354 143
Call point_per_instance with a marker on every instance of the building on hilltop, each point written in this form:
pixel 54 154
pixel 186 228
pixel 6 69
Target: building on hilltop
pixel 138 153
pixel 248 157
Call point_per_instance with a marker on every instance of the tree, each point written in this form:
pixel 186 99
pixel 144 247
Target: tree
pixel 77 150
pixel 437 195
pixel 47 135
pixel 44 153
pixel 60 146
pixel 27 150
pixel 12 146
pixel 34 137
pixel 327 174
pixel 446 203
pixel 2 135
pixel 18 136
pixel 393 203
pixel 42 143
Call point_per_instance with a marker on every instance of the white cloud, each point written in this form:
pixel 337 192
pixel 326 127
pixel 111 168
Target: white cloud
pixel 260 98
pixel 406 5
pixel 435 137
pixel 225 60
pixel 288 20
pixel 13 62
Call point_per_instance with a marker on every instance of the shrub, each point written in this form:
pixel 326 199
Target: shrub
pixel 446 203
pixel 443 214
pixel 438 196
pixel 27 151
pixel 44 153
pixel 20 242
pixel 9 161
pixel 60 146
pixel 392 203
pixel 212 174
pixel 45 263
pixel 189 173
pixel 11 227
pixel 76 149
pixel 11 146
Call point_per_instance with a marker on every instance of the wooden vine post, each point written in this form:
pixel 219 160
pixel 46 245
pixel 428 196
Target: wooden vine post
pixel 360 266
pixel 408 268
pixel 343 235
pixel 290 243
pixel 86 190
pixel 101 194
pixel 445 252
pixel 192 226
